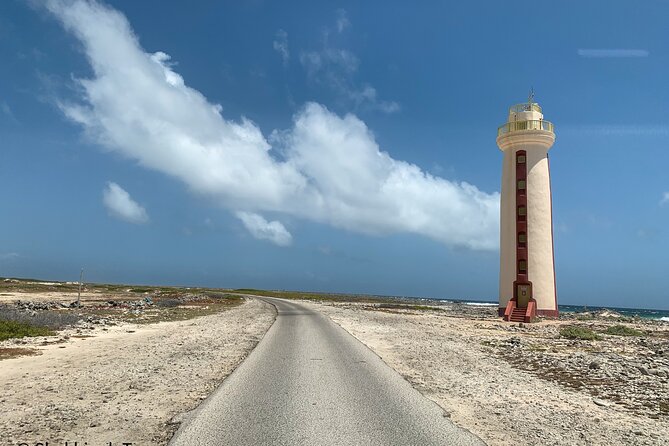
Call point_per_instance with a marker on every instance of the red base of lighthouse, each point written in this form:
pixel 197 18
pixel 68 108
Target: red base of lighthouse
pixel 543 313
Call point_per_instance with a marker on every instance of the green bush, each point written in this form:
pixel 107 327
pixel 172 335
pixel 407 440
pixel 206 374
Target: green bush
pixel 14 329
pixel 576 332
pixel 622 330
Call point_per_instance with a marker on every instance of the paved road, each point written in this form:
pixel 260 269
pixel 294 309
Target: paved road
pixel 309 382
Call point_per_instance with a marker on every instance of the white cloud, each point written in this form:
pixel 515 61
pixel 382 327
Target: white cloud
pixel 665 199
pixel 7 111
pixel 9 256
pixel 120 204
pixel 335 68
pixel 616 52
pixel 342 20
pixel 280 45
pixel 274 231
pixel 331 169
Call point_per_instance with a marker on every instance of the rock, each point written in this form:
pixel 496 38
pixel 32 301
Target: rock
pixel 643 370
pixel 594 365
pixel 180 417
pixel 601 403
pixel 609 314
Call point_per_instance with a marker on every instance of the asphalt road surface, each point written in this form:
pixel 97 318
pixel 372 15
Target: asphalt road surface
pixel 309 382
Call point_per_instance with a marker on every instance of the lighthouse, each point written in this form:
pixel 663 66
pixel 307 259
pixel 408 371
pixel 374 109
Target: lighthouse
pixel 527 273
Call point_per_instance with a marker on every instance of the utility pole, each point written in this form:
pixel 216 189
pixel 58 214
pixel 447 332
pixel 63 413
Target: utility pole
pixel 81 279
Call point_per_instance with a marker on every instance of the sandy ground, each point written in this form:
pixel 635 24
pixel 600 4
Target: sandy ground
pixel 126 384
pixel 51 296
pixel 447 359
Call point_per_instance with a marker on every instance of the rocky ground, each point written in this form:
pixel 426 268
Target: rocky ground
pixel 631 372
pixel 525 384
pixel 125 369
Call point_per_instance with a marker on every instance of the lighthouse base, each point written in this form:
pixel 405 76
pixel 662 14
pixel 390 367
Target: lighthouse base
pixel 553 314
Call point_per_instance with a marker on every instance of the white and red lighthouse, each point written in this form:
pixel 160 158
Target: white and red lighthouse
pixel 527 273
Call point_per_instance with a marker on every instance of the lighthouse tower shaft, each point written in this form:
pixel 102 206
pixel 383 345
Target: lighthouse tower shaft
pixel 527 274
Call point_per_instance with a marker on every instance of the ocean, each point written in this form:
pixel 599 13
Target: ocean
pixel 644 313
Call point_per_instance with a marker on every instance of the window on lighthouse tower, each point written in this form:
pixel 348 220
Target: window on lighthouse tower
pixel 522 238
pixel 522 265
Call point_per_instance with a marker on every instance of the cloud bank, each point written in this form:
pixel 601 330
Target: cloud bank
pixel 325 168
pixel 120 204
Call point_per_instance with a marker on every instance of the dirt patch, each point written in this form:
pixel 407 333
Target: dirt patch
pixel 15 352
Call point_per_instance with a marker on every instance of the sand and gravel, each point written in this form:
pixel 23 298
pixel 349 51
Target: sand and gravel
pixel 464 364
pixel 126 383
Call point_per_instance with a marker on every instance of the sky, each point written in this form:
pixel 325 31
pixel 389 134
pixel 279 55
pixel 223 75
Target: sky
pixel 329 146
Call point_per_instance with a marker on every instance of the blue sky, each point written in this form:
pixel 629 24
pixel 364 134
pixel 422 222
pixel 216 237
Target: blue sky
pixel 329 146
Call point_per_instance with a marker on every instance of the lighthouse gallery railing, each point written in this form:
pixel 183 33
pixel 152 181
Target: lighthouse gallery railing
pixel 515 126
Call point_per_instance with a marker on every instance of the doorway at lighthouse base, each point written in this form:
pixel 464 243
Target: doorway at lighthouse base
pixel 522 307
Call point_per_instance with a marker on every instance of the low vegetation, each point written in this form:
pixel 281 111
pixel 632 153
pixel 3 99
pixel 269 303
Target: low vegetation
pixel 622 330
pixel 577 332
pixel 104 304
pixel 289 294
pixel 14 329
pixel 321 297
pixel 51 319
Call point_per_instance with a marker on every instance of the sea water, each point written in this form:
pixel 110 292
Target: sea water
pixel 644 313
